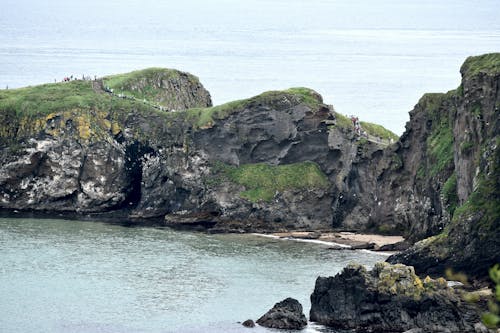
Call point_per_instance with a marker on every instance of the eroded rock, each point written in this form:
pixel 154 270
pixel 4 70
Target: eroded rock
pixel 389 298
pixel 286 314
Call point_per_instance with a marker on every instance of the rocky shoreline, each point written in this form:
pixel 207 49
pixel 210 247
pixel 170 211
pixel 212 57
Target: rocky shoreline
pixel 280 163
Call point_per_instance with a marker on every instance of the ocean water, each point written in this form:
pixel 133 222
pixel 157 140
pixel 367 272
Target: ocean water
pixel 73 276
pixel 370 58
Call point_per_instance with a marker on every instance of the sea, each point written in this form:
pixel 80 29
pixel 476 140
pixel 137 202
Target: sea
pixel 373 59
pixel 80 276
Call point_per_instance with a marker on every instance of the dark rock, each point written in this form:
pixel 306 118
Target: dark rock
pixel 389 299
pixel 362 246
pixel 339 248
pixel 248 323
pixel 286 314
pixel 399 246
pixel 448 156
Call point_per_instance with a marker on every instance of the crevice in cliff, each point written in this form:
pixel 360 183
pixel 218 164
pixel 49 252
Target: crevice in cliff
pixel 133 167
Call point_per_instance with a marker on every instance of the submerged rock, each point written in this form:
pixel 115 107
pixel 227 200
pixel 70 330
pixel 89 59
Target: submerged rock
pixel 248 323
pixel 286 314
pixel 389 298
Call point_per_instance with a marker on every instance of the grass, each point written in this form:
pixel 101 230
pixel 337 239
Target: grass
pixel 378 131
pixel 26 111
pixel 440 148
pixel 48 98
pixel 486 63
pixel 370 128
pixel 440 141
pixel 262 181
pixel 205 117
pixel 342 121
pixel 141 84
pixel 449 193
pixel 160 86
pixel 486 198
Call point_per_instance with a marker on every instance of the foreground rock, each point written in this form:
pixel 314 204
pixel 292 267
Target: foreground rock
pixel 286 314
pixel 390 298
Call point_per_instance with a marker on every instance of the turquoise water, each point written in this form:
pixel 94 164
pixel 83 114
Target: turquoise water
pixel 73 276
pixel 370 58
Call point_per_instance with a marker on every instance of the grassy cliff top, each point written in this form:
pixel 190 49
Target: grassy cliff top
pixel 149 83
pixel 205 117
pixel 49 98
pixel 486 63
pixel 51 107
pixel 370 128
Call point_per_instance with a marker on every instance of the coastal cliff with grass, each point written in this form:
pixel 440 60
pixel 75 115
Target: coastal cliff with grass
pixel 148 146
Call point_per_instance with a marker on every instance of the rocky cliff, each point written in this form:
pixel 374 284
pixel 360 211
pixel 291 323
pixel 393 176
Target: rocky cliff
pixel 148 145
pixel 390 298
pixel 444 179
pixel 279 160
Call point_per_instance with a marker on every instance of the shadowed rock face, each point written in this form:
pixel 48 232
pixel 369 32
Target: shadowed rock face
pixel 389 299
pixel 286 314
pixel 450 158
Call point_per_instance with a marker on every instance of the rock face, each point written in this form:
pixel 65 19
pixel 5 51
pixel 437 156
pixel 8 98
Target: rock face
pixel 286 314
pixel 277 161
pixel 448 182
pixel 390 298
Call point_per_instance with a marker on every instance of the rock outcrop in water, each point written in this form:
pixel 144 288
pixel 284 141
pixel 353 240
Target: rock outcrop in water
pixel 390 298
pixel 286 314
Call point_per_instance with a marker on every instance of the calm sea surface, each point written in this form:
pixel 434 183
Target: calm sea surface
pixel 370 58
pixel 73 276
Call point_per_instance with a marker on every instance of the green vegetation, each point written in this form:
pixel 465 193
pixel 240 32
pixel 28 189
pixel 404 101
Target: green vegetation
pixel 146 84
pixel 372 129
pixel 26 111
pixel 492 318
pixel 262 181
pixel 205 117
pixel 378 131
pixel 396 162
pixel 342 121
pixel 440 146
pixel 486 63
pixel 449 193
pixel 48 98
pixel 485 200
pixel 440 141
pixel 466 146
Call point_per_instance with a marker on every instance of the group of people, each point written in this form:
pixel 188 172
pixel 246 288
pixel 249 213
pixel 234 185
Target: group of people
pixel 72 78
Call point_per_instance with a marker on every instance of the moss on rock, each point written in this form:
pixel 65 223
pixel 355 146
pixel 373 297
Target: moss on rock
pixel 262 181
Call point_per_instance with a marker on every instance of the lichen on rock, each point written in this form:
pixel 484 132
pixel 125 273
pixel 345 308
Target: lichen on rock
pixel 389 298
